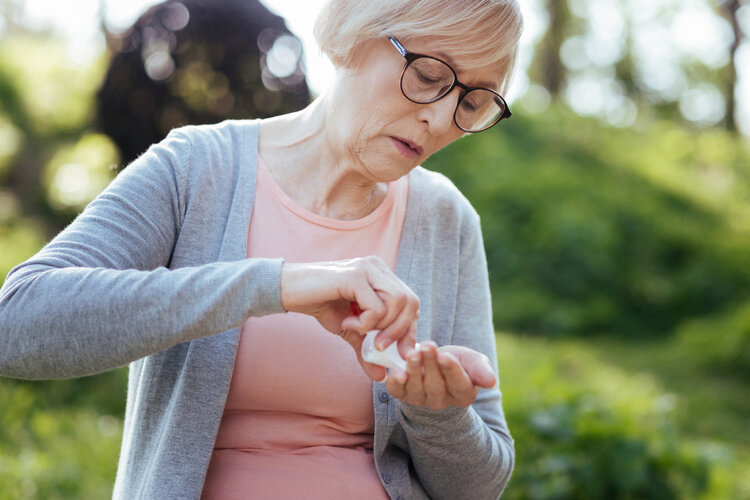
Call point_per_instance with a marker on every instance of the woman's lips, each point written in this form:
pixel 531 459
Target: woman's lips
pixel 407 148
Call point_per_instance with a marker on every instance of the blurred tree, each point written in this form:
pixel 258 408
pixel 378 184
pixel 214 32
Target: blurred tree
pixel 183 62
pixel 45 104
pixel 731 9
pixel 198 61
pixel 548 68
pixel 616 59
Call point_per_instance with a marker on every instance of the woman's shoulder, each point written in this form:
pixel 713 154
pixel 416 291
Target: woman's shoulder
pixel 217 151
pixel 218 135
pixel 434 191
pixel 198 162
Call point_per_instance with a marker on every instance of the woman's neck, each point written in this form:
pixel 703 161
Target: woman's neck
pixel 313 168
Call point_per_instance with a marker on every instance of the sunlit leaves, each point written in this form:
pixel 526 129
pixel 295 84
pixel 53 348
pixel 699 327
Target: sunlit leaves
pixel 77 173
pixel 54 91
pixel 202 88
pixel 20 238
pixel 11 139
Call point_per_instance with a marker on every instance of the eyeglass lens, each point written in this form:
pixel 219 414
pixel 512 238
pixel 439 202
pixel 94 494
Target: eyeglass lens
pixel 426 80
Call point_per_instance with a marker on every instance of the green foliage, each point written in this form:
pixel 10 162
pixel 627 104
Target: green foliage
pixel 582 449
pixel 722 341
pixel 586 429
pixel 60 439
pixel 80 171
pixel 19 239
pixel 10 141
pixel 50 160
pixel 590 229
pixel 49 93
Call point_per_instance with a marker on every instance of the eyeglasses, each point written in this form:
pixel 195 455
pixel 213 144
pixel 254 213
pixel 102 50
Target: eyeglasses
pixel 427 79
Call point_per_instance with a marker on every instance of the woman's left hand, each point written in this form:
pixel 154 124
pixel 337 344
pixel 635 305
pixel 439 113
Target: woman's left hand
pixel 441 377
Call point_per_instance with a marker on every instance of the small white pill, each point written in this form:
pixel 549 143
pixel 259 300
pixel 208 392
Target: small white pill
pixel 389 358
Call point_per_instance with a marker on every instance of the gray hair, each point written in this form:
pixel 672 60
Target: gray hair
pixel 475 33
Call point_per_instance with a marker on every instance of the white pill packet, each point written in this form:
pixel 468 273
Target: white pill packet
pixel 389 358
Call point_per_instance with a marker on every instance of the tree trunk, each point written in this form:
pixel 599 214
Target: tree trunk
pixel 729 9
pixel 552 70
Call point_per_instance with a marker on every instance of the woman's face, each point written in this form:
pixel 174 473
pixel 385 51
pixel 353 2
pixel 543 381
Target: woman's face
pixel 380 131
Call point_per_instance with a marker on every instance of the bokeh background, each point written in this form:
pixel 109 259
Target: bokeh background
pixel 615 206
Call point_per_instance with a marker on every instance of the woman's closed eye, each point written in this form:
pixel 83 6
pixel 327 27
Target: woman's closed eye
pixel 476 101
pixel 428 79
pixel 469 106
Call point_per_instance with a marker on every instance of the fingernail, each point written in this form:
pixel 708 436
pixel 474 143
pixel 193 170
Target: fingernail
pixel 383 344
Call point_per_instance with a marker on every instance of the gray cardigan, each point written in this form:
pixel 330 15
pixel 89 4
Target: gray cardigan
pixel 154 273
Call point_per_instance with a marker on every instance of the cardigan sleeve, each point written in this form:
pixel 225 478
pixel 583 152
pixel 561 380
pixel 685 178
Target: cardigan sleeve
pixel 460 450
pixel 99 295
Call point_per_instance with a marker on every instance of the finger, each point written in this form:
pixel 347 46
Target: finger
pixel 434 385
pixel 479 370
pixel 476 364
pixel 402 324
pixel 369 306
pixel 458 384
pixel 395 384
pixel 408 341
pixel 398 298
pixel 375 287
pixel 395 298
pixel 414 387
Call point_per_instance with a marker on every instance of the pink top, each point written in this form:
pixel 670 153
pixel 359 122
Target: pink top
pixel 298 421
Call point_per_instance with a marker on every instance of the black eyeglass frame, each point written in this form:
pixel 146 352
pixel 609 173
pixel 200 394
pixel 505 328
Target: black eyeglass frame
pixel 412 56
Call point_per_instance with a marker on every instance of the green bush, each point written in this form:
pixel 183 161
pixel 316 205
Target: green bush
pixel 591 229
pixel 581 449
pixel 587 429
pixel 60 439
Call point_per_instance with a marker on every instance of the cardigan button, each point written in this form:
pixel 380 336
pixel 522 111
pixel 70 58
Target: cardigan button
pixel 386 478
pixel 383 397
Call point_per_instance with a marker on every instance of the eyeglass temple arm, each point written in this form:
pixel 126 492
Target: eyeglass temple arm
pixel 398 46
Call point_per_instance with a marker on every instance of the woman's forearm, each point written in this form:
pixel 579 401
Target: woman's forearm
pixel 66 322
pixel 454 451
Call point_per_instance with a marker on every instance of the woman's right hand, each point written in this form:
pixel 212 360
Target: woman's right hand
pixel 325 291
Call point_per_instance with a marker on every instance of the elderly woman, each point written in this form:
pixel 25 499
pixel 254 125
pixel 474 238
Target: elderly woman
pixel 219 263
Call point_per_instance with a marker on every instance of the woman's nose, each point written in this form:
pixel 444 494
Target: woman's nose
pixel 439 114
